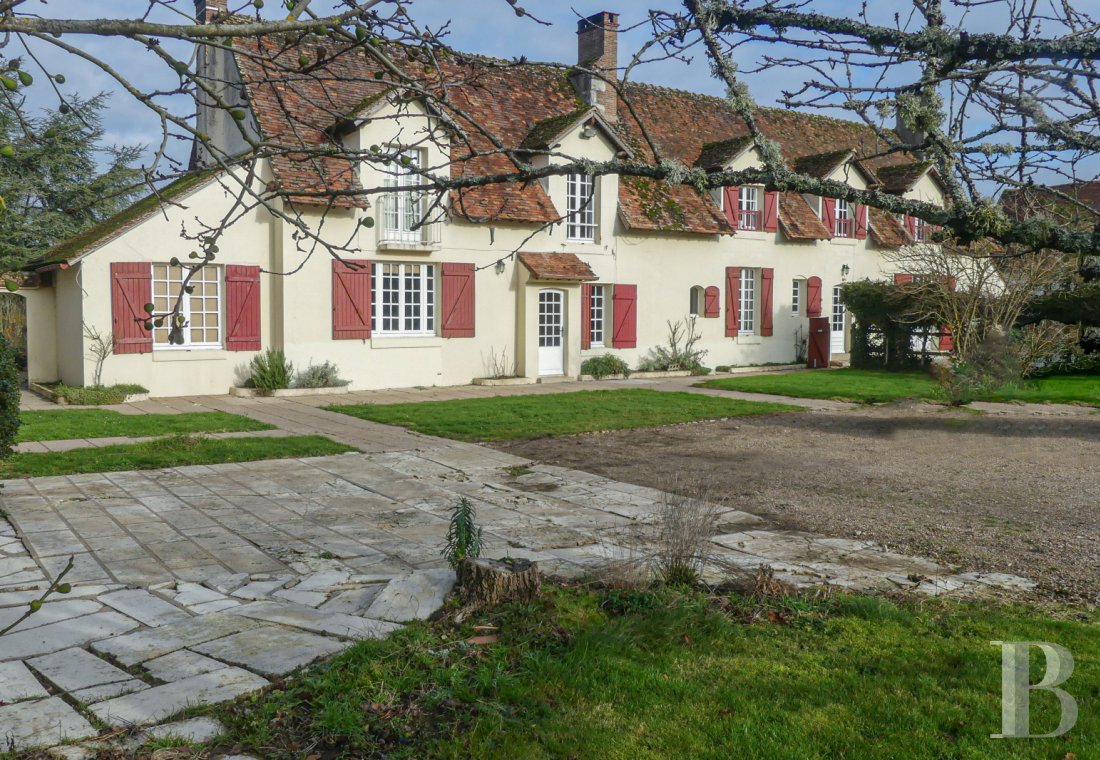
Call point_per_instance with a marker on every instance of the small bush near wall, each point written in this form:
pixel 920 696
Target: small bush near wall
pixel 9 397
pixel 98 395
pixel 324 375
pixel 604 366
pixel 679 354
pixel 271 371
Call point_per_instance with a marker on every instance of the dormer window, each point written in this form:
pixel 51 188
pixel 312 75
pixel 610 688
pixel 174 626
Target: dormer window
pixel 581 208
pixel 920 230
pixel 748 208
pixel 403 210
pixel 843 222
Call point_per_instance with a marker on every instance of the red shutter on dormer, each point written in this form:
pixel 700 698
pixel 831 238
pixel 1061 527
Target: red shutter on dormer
pixel 828 214
pixel 242 308
pixel 813 297
pixel 131 290
pixel 766 278
pixel 733 301
pixel 911 226
pixel 586 316
pixel 711 298
pixel 351 296
pixel 902 279
pixel 771 211
pixel 861 222
pixel 458 300
pixel 731 206
pixel 625 315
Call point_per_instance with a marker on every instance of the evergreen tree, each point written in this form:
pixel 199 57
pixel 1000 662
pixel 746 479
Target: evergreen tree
pixel 57 177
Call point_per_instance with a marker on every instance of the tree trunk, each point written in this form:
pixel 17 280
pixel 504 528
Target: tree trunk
pixel 492 582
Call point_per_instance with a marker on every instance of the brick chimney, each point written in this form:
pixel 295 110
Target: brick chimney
pixel 207 10
pixel 598 50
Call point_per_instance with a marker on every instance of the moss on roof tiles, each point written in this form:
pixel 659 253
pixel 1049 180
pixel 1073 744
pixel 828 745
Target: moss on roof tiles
pixel 821 165
pixel 717 154
pixel 901 177
pixel 123 220
pixel 543 132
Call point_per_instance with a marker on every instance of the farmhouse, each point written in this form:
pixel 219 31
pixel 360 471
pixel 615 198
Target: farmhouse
pixel 526 280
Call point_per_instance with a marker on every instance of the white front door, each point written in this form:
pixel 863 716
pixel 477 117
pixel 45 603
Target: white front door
pixel 836 346
pixel 551 332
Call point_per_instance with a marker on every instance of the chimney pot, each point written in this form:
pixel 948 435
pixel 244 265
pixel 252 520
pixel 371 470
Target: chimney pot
pixel 598 50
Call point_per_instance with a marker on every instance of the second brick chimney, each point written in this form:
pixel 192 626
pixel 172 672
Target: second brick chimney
pixel 598 50
pixel 207 10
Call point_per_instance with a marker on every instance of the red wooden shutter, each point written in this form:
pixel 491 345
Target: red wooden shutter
pixel 586 316
pixel 771 211
pixel 351 296
pixel 625 314
pixel 733 195
pixel 458 300
pixel 131 290
pixel 242 308
pixel 861 222
pixel 902 279
pixel 813 297
pixel 947 342
pixel 733 301
pixel 911 226
pixel 711 306
pixel 828 214
pixel 766 277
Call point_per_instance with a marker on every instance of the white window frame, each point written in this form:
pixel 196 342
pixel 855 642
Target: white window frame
pixel 581 223
pixel 598 316
pixel 384 310
pixel 796 298
pixel 921 229
pixel 697 301
pixel 174 278
pixel 749 215
pixel 842 215
pixel 403 212
pixel 746 314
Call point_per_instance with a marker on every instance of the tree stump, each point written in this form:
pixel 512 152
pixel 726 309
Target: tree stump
pixel 491 582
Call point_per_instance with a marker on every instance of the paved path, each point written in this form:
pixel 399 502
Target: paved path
pixel 200 584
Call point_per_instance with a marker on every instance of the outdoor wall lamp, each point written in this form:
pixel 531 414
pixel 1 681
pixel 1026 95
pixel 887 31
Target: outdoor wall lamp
pixel 500 266
pixel 588 132
pixel 845 270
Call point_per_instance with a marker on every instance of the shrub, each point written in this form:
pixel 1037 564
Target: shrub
pixel 679 354
pixel 463 534
pixel 604 366
pixel 98 395
pixel 723 368
pixel 991 366
pixel 9 397
pixel 324 375
pixel 271 371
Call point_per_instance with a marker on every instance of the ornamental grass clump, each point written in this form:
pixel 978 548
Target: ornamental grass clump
pixel 271 371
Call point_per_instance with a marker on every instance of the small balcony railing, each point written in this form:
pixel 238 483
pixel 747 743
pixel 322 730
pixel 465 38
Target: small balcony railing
pixel 842 228
pixel 748 220
pixel 404 222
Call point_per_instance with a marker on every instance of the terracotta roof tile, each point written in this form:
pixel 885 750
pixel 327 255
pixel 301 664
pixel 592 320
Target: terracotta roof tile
pixel 886 231
pixel 900 178
pixel 557 266
pixel 797 220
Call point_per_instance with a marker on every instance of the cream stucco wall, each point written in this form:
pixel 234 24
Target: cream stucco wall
pixel 297 308
pixel 41 314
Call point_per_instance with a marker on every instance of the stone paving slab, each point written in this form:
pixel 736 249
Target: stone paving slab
pixel 18 683
pixel 207 581
pixel 42 723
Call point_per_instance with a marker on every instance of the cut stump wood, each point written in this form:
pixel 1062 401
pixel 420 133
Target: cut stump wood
pixel 492 582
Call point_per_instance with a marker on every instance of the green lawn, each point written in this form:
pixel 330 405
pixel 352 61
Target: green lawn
pixel 871 386
pixel 64 424
pixel 511 417
pixel 634 674
pixel 172 451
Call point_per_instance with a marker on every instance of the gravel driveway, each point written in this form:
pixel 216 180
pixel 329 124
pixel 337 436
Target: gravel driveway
pixel 1010 493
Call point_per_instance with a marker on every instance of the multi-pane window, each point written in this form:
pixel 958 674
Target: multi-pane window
pixel 581 208
pixel 596 328
pixel 843 222
pixel 200 311
pixel 403 210
pixel 402 299
pixel 796 298
pixel 747 317
pixel 920 230
pixel 748 208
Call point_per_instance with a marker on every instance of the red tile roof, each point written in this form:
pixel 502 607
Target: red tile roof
pixel 302 108
pixel 798 221
pixel 886 231
pixel 557 266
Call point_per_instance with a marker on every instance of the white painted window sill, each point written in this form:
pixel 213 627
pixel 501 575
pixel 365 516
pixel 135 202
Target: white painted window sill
pixel 406 341
pixel 845 241
pixel 749 339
